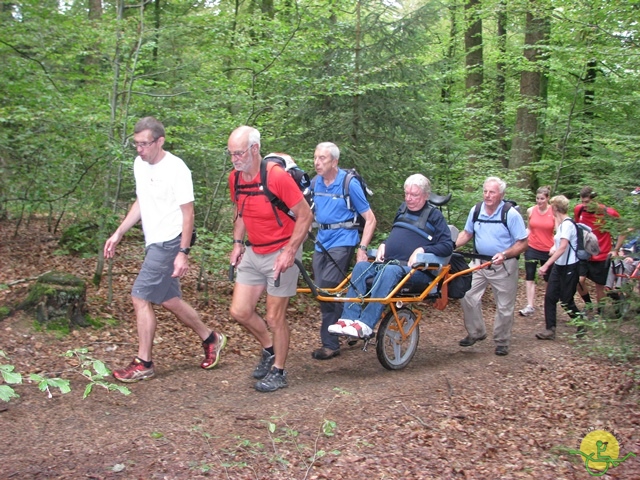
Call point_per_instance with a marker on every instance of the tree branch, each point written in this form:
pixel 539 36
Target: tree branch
pixel 24 55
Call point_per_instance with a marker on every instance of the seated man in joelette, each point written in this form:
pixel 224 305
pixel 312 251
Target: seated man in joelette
pixel 409 237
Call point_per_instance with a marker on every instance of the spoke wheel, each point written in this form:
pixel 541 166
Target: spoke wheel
pixel 394 351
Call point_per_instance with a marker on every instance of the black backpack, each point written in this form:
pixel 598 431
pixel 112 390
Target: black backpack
pixel 287 163
pixel 508 205
pixel 461 284
pixel 358 221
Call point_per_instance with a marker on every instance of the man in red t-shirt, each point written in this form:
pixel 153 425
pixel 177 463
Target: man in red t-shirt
pixel 274 241
pixel 596 216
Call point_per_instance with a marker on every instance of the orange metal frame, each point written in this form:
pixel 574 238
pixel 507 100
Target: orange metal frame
pixel 395 300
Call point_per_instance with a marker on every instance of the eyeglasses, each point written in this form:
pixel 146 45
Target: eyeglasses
pixel 229 153
pixel 135 144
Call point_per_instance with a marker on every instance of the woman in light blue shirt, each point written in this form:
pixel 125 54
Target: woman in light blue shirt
pixel 563 268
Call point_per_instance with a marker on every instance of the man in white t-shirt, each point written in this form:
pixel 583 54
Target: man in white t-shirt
pixel 164 205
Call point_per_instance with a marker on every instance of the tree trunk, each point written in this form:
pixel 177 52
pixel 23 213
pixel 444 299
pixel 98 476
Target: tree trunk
pixel 501 129
pixel 589 98
pixel 355 125
pixel 58 298
pixel 447 84
pixel 527 141
pixel 95 9
pixel 474 74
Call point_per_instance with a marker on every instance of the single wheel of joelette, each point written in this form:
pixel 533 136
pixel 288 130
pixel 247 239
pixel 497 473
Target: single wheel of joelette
pixel 395 346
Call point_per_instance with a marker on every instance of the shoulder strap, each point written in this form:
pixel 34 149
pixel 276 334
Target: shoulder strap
pixel 505 211
pixel 314 180
pixel 264 182
pixel 235 186
pixel 503 215
pixel 419 225
pixel 345 188
pixel 476 212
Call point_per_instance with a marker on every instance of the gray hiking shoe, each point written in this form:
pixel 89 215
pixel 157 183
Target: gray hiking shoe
pixel 527 311
pixel 273 381
pixel 265 365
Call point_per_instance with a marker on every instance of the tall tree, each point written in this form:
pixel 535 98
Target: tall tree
pixel 474 63
pixel 502 151
pixel 527 144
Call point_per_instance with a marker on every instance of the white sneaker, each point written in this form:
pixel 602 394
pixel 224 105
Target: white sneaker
pixel 337 327
pixel 527 311
pixel 357 329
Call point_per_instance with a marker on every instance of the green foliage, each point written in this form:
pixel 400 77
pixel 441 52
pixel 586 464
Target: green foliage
pixel 83 237
pixel 60 327
pixel 286 450
pixel 44 384
pixel 11 377
pixel 101 322
pixel 384 80
pixel 612 328
pixel 94 371
pixel 4 312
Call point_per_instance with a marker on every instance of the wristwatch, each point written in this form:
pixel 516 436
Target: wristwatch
pixel 504 254
pixel 363 247
pixel 184 250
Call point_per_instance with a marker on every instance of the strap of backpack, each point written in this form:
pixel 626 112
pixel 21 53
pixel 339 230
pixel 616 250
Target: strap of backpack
pixel 426 231
pixel 349 224
pixel 575 250
pixel 275 201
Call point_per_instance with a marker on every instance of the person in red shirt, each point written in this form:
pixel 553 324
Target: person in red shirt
pixel 597 216
pixel 541 226
pixel 274 241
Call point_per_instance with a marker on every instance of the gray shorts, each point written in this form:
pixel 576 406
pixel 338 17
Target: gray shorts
pixel 256 269
pixel 154 282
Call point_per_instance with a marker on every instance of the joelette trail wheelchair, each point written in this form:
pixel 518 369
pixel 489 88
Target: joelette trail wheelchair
pixel 398 333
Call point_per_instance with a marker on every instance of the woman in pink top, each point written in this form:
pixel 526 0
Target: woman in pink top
pixel 541 226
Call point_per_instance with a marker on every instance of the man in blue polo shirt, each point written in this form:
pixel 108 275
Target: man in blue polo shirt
pixel 337 236
pixel 501 243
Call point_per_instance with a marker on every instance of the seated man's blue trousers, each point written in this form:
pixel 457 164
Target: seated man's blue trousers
pixel 386 277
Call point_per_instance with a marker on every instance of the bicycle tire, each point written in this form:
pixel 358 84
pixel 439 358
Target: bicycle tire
pixel 393 352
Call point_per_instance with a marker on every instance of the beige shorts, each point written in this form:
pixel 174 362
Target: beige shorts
pixel 256 269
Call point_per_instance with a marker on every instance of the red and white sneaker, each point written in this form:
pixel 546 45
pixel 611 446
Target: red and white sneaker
pixel 134 372
pixel 212 351
pixel 357 329
pixel 337 327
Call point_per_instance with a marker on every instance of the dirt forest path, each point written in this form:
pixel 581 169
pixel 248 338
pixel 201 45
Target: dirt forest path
pixel 452 413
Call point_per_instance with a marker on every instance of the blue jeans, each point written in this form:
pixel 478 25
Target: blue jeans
pixel 328 274
pixel 385 279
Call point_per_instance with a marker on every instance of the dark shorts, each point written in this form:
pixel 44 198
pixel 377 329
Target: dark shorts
pixel 532 259
pixel 595 271
pixel 154 282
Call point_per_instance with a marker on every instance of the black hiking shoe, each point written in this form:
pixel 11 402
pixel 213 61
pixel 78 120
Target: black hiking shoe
pixel 265 365
pixel 469 340
pixel 273 381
